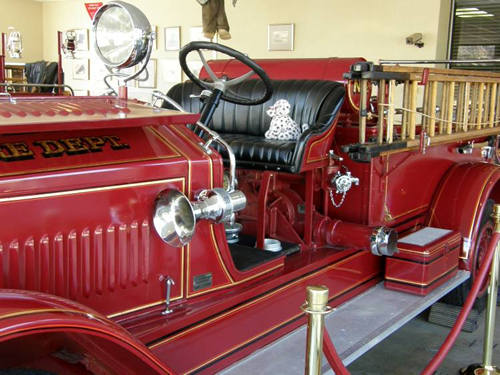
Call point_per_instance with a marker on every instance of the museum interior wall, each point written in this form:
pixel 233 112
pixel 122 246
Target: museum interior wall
pixel 26 16
pixel 322 28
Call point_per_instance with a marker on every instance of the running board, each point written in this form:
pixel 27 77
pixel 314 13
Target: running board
pixel 355 327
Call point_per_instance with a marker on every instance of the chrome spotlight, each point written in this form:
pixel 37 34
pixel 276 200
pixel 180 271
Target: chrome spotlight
pixel 175 216
pixel 123 35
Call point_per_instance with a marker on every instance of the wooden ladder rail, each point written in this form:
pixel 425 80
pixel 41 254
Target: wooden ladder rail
pixel 454 105
pixel 405 117
pixel 493 99
pixel 381 111
pixel 450 102
pixel 391 111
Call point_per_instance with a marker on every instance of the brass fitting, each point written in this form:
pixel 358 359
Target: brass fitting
pixel 489 326
pixel 317 298
pixel 316 308
pixel 496 217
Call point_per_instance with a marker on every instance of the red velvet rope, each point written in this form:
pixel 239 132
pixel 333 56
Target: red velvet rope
pixel 339 368
pixel 332 356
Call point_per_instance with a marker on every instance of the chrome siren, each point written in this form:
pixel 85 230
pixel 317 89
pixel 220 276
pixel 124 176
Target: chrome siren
pixel 175 216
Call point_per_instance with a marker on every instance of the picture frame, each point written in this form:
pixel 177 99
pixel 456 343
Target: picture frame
pixel 151 82
pixel 98 69
pixel 81 39
pixel 156 42
pixel 171 71
pixel 172 36
pixel 81 69
pixel 281 37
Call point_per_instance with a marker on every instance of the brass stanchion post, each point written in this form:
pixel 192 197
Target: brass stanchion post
pixel 316 308
pixel 489 326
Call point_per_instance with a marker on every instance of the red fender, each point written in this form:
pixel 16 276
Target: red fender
pixel 459 203
pixel 36 328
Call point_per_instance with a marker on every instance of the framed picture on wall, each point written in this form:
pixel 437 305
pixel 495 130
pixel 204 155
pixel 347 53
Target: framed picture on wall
pixel 98 69
pixel 156 43
pixel 172 38
pixel 81 39
pixel 280 37
pixel 170 71
pixel 150 82
pixel 81 69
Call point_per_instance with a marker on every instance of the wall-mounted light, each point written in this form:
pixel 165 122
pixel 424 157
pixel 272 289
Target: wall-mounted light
pixel 472 13
pixel 415 39
pixel 14 43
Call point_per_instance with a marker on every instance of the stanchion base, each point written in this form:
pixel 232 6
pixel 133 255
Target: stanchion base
pixel 478 369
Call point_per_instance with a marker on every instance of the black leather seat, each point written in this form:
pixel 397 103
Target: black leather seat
pixel 313 102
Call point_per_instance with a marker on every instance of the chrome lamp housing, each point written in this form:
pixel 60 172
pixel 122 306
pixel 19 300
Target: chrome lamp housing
pixel 175 216
pixel 122 35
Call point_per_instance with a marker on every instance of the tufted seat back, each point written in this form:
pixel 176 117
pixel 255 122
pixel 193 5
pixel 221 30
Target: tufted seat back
pixel 313 102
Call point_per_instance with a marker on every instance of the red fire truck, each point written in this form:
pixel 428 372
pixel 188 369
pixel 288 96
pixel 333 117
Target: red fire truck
pixel 146 239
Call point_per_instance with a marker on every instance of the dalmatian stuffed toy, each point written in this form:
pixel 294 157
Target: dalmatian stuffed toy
pixel 282 127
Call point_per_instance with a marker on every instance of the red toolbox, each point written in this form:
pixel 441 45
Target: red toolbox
pixel 426 259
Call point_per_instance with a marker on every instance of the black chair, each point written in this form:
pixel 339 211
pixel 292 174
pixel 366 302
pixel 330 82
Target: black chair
pixel 42 72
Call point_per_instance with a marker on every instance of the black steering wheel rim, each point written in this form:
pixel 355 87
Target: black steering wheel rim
pixel 255 68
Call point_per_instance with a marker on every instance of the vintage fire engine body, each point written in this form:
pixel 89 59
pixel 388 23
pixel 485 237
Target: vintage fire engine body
pixel 79 181
pixel 95 280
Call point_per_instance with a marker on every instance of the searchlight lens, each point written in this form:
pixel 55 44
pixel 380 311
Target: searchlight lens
pixel 122 33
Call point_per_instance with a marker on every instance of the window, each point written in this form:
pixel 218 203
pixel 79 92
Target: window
pixel 476 33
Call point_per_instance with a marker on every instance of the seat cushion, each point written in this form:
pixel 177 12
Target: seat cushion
pixel 259 151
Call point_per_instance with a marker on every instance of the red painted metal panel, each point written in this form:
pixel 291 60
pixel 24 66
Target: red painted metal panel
pixel 331 68
pixel 81 274
pixel 79 204
pixel 36 114
pixel 396 187
pixel 212 340
pixel 420 269
pixel 38 321
pixel 107 255
pixel 459 202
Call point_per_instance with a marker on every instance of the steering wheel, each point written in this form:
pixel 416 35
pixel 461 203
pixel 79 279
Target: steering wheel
pixel 220 83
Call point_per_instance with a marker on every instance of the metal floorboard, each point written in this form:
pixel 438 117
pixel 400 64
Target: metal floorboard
pixel 355 327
